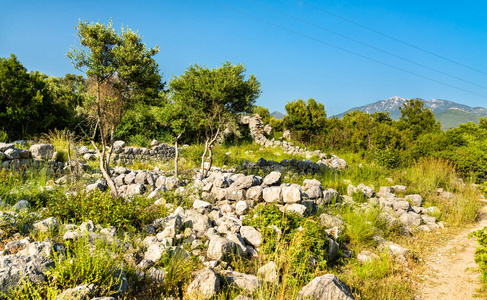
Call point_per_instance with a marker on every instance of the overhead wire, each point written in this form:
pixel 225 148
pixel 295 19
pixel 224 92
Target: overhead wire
pixel 393 38
pixel 367 45
pixel 343 49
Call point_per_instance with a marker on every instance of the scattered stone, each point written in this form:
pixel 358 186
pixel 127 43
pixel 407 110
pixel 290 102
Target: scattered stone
pixel 326 287
pixel 291 194
pixel 81 292
pixel 269 272
pixel 251 236
pixel 41 151
pixel 13 269
pixel 246 282
pixel 220 248
pixel 298 209
pixel 366 256
pixel 46 224
pixel 416 200
pixel 274 178
pixel 205 285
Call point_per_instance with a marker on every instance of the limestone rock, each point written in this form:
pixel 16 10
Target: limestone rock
pixel 416 200
pixel 295 208
pixel 269 272
pixel 41 151
pixel 220 248
pixel 325 287
pixel 13 269
pixel 291 194
pixel 251 236
pixel 246 282
pixel 205 285
pixel 272 194
pixel 274 178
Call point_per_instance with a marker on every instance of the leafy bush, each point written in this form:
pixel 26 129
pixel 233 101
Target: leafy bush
pixel 481 253
pixel 86 263
pixel 101 208
pixel 299 244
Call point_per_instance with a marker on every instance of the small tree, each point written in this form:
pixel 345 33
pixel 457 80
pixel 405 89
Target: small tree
pixel 216 97
pixel 180 118
pixel 417 119
pixel 119 68
pixel 309 117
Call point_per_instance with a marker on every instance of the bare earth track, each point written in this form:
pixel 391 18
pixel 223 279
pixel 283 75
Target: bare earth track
pixel 450 271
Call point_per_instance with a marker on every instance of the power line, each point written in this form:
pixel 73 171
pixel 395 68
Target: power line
pixel 342 49
pixel 393 38
pixel 367 45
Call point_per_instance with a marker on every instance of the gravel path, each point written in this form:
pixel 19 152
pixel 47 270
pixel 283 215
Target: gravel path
pixel 450 270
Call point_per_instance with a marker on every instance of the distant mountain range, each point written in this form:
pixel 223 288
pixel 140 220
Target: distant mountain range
pixel 449 113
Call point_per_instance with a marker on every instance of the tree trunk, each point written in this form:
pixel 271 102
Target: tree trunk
pixel 208 146
pixel 176 156
pixel 203 159
pixel 110 150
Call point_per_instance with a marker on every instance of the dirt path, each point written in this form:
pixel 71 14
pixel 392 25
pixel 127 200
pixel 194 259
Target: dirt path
pixel 450 271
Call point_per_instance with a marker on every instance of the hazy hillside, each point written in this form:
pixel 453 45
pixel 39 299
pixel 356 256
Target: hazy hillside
pixel 277 115
pixel 452 117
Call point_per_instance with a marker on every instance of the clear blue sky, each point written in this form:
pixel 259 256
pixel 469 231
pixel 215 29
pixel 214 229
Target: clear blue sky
pixel 289 65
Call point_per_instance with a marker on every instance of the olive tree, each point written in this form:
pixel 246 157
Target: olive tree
pixel 215 97
pixel 119 68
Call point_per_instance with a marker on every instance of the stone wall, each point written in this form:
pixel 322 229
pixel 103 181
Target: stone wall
pixel 301 167
pixel 128 155
pixel 40 156
pixel 259 133
pixel 37 157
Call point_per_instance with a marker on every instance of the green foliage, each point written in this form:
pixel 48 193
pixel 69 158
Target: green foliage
pixel 361 226
pixel 481 253
pixel 263 112
pixel 101 208
pixel 86 263
pixel 311 245
pixel 417 119
pixel 121 71
pixel 388 157
pixel 209 98
pixel 277 125
pixel 309 117
pixel 377 279
pixel 3 136
pixel 179 268
pixel 276 227
pixel 304 240
pixel 27 104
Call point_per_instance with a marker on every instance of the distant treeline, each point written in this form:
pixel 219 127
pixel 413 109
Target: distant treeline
pixel 390 143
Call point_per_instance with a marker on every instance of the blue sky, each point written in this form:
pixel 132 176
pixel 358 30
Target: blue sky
pixel 293 59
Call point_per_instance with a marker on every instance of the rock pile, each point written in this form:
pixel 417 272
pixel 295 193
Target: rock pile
pixel 407 212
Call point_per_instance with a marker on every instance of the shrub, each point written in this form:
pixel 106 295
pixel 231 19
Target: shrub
pixel 481 253
pixel 86 263
pixel 101 208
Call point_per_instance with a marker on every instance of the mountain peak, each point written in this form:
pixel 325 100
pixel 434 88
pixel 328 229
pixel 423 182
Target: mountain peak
pixel 393 104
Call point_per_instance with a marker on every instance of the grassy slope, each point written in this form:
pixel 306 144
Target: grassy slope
pixel 451 118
